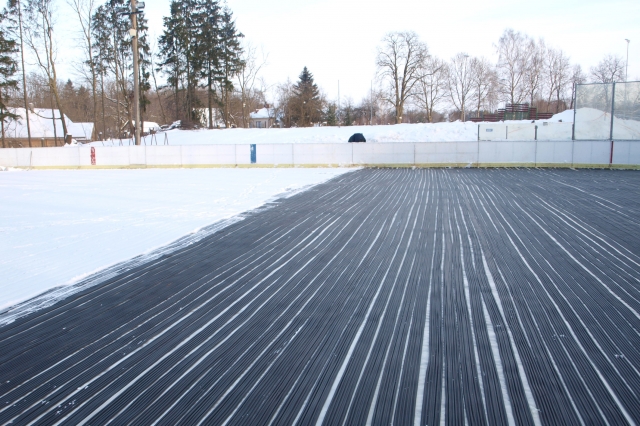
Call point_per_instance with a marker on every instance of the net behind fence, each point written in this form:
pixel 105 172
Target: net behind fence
pixel 626 111
pixel 596 102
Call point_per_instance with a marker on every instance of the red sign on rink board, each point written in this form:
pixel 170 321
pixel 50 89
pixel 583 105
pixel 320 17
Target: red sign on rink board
pixel 93 156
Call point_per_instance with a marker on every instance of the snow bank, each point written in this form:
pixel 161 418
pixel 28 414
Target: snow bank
pixel 595 124
pixel 420 132
pixel 397 133
pixel 592 125
pixel 57 227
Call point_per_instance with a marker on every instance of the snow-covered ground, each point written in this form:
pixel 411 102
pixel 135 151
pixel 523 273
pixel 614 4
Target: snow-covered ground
pixel 592 124
pixel 57 227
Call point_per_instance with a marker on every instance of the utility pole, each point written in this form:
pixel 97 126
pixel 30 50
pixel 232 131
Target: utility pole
pixel 626 72
pixel 136 7
pixel 338 104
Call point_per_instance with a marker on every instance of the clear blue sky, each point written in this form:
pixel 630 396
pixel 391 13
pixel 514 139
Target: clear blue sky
pixel 337 39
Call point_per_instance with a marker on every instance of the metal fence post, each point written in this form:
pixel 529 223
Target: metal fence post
pixel 613 108
pixel 414 153
pixel 575 107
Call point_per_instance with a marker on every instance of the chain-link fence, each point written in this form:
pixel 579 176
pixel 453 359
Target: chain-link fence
pixel 626 111
pixel 597 103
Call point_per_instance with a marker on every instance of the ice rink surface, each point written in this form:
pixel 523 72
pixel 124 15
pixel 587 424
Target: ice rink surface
pixel 57 227
pixel 383 296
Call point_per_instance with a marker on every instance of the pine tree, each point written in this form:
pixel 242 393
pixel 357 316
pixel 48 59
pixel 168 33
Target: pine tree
pixel 171 52
pixel 348 115
pixel 330 115
pixel 210 52
pixel 190 49
pixel 306 106
pixel 8 68
pixel 101 49
pixel 110 24
pixel 230 59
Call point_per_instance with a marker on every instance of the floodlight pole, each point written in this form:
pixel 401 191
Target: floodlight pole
pixel 136 70
pixel 338 104
pixel 626 72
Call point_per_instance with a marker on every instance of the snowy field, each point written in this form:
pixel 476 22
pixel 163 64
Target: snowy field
pixel 417 132
pixel 56 227
pixel 592 124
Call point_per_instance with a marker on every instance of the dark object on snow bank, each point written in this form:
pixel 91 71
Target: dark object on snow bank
pixel 357 137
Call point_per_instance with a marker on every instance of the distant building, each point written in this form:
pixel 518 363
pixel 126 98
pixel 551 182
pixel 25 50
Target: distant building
pixel 43 130
pixel 263 118
pixel 513 112
pixel 147 126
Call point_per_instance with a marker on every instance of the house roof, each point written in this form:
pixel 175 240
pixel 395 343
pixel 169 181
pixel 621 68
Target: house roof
pixel 262 113
pixel 41 124
pixel 81 131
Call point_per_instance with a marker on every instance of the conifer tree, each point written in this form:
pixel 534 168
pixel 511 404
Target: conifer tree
pixel 306 106
pixel 210 52
pixel 8 68
pixel 171 52
pixel 348 115
pixel 330 115
pixel 110 25
pixel 230 59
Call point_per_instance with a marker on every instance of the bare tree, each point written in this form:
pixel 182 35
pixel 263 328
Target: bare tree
pixel 40 15
pixel 399 61
pixel 534 71
pixel 557 75
pixel 282 107
pixel 433 85
pixel 16 7
pixel 513 60
pixel 577 77
pixel 460 82
pixel 247 74
pixel 152 55
pixel 609 69
pixel 483 82
pixel 85 9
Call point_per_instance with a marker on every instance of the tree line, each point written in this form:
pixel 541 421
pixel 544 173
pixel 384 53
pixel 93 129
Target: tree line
pixel 200 72
pixel 412 85
pixel 526 71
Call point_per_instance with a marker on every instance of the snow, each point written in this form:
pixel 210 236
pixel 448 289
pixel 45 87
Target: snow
pixel 40 121
pixel 82 131
pixel 395 133
pixel 58 227
pixel 558 127
pixel 41 125
pixel 148 126
pixel 262 113
pixel 596 124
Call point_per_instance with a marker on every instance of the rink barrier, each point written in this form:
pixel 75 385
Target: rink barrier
pixel 496 153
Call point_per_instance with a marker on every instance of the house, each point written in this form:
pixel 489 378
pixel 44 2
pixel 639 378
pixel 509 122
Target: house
pixel 147 126
pixel 46 129
pixel 263 118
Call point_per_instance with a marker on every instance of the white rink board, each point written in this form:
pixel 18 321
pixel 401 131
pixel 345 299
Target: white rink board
pixel 485 153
